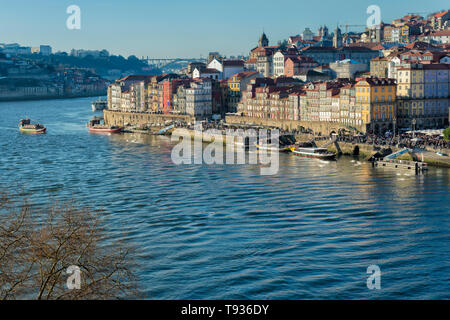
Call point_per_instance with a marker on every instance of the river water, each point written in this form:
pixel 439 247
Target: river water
pixel 226 232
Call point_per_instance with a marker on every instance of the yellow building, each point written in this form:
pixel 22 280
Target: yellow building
pixel 235 83
pixel 404 34
pixel 376 98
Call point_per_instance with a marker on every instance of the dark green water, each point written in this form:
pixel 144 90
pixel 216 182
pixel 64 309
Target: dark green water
pixel 226 232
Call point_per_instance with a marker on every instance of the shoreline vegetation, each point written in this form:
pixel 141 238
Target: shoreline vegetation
pixel 60 252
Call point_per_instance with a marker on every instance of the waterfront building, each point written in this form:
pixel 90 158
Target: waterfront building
pixel 199 99
pixel 155 92
pixel 376 97
pixel 272 102
pixel 350 112
pixel 179 100
pixel 116 98
pixel 265 95
pixel 137 97
pixel 236 84
pixel 423 93
pixel 328 92
pixel 169 89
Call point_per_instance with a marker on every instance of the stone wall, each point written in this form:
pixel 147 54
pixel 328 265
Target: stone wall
pixel 118 118
pixel 325 128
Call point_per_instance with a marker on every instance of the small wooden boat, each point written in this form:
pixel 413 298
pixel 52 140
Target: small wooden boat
pixel 26 126
pixel 316 153
pixel 95 126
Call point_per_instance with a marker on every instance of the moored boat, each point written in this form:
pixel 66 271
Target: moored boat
pixel 95 126
pixel 26 126
pixel 316 153
pixel 99 105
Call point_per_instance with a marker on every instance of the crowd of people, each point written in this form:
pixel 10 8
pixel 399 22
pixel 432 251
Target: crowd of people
pixel 405 140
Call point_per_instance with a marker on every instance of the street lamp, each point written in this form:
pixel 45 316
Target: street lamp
pixel 394 120
pixel 414 127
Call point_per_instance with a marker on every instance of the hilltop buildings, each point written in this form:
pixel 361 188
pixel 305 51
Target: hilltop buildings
pixel 388 78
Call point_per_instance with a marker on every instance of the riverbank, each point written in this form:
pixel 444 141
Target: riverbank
pixel 52 97
pixel 363 151
pixel 366 151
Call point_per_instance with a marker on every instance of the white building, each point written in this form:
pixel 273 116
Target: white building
pixel 199 99
pixel 206 73
pixel 440 36
pixel 227 67
pixel 278 63
pixel 395 35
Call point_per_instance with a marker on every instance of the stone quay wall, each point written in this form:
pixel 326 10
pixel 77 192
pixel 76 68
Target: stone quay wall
pixel 325 128
pixel 120 118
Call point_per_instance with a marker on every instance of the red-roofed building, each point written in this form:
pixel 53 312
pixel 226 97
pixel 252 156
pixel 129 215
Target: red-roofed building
pixel 298 64
pixel 440 20
pixel 439 37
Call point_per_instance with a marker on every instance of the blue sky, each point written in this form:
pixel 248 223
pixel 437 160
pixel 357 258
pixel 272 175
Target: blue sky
pixel 175 28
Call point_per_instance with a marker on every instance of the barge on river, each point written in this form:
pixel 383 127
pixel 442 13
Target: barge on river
pixel 96 126
pixel 26 126
pixel 314 152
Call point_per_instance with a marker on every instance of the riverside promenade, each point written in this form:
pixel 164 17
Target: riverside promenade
pixel 365 151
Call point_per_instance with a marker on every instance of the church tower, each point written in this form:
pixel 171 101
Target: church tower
pixel 337 38
pixel 263 41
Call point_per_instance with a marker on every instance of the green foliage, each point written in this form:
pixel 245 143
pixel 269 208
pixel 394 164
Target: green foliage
pixel 101 65
pixel 447 134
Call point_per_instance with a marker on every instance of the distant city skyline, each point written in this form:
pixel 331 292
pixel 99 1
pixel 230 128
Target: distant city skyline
pixel 185 29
